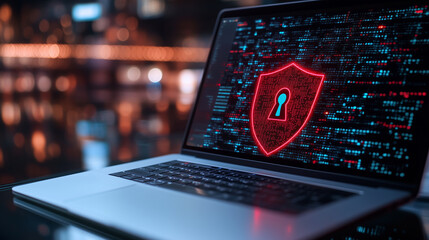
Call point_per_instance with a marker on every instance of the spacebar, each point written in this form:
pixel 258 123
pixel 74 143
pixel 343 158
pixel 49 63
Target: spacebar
pixel 181 188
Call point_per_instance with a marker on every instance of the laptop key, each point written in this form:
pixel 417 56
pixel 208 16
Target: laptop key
pixel 140 172
pixel 156 182
pixel 142 180
pixel 119 174
pixel 130 176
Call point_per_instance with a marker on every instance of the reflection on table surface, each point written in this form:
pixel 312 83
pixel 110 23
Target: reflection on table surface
pixel 27 221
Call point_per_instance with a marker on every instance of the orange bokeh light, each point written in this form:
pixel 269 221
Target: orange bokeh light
pixel 38 142
pixel 106 52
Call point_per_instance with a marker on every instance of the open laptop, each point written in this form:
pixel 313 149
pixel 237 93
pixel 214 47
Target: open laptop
pixel 309 116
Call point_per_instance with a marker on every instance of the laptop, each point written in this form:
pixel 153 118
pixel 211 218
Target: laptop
pixel 310 115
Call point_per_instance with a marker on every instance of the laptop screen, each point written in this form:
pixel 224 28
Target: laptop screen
pixel 340 90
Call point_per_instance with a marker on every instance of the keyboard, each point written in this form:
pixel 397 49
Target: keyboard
pixel 235 186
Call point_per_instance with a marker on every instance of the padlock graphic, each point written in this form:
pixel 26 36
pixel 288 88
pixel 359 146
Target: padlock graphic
pixel 277 119
pixel 279 110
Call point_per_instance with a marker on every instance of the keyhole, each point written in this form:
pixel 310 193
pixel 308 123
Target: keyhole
pixel 278 111
pixel 281 100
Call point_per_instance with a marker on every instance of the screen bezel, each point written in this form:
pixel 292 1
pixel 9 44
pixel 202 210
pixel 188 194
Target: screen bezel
pixel 412 184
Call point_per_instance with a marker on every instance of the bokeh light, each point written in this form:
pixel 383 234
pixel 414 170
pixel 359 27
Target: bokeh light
pixel 154 75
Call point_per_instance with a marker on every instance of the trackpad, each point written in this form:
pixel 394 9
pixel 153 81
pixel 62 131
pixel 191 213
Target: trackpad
pixel 148 210
pixel 135 201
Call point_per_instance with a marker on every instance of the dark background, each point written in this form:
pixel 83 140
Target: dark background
pixel 78 95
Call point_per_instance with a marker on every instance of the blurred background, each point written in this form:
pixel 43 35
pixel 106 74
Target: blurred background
pixel 86 84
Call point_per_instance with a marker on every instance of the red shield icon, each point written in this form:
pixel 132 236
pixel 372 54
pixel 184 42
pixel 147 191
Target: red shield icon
pixel 282 105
